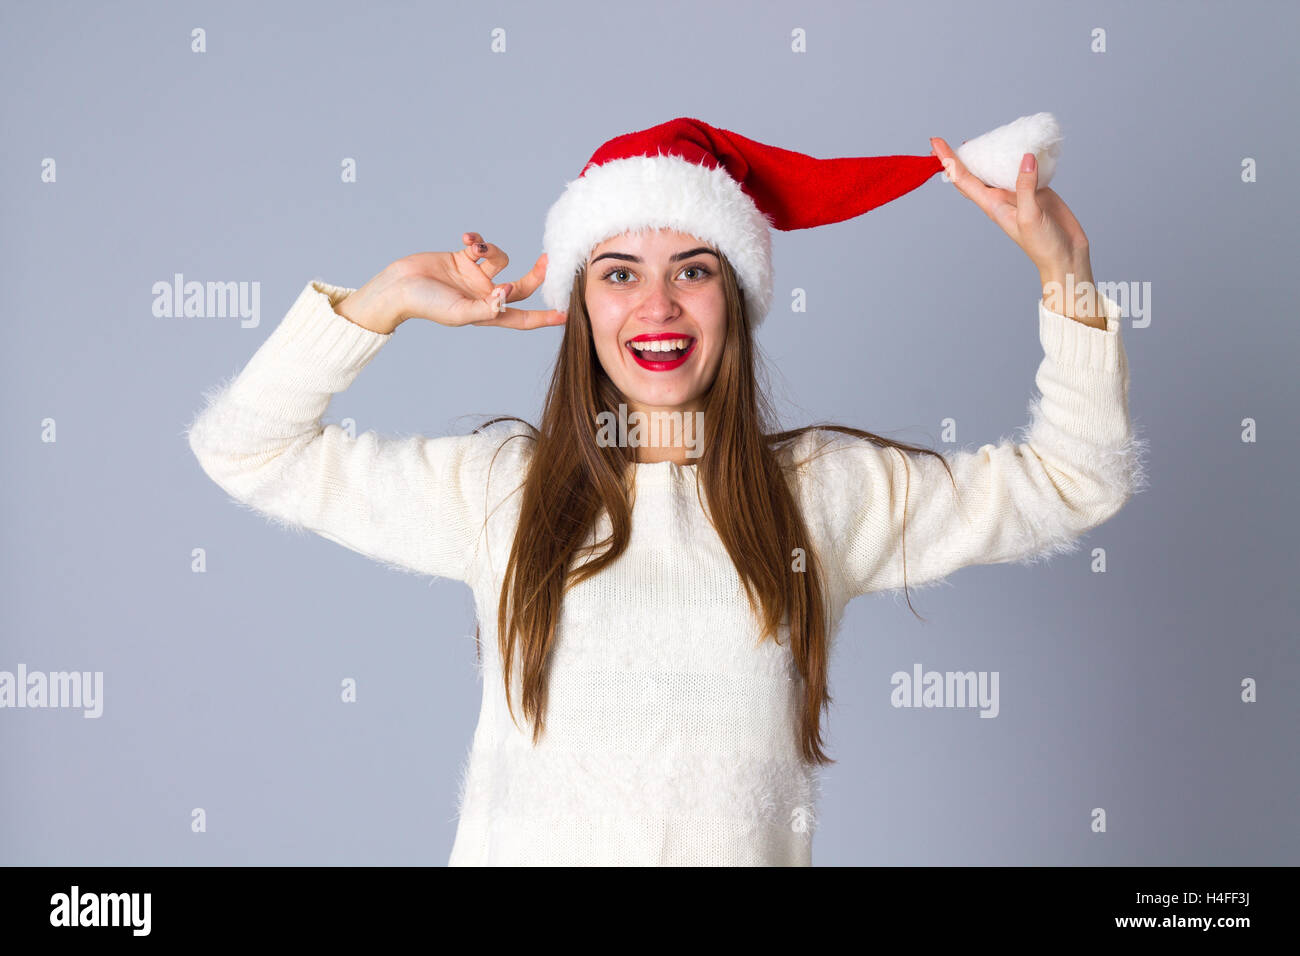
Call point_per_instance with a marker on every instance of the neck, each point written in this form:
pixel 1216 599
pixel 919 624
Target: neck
pixel 663 434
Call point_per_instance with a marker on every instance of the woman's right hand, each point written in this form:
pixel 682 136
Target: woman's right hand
pixel 450 288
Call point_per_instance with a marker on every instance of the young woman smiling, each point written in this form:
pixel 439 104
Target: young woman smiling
pixel 662 624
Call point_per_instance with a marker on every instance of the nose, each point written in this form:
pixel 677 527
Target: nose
pixel 659 303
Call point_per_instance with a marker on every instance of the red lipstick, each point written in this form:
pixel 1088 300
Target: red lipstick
pixel 661 361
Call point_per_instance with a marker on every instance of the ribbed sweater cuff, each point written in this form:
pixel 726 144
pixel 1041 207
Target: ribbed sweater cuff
pixel 313 352
pixel 1072 343
pixel 1084 383
pixel 311 326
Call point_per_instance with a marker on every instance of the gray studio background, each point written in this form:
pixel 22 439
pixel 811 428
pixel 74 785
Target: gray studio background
pixel 1119 690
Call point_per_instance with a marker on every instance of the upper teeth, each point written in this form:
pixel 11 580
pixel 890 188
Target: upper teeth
pixel 660 345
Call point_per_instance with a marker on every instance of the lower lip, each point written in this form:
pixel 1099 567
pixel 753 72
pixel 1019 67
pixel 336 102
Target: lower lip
pixel 662 366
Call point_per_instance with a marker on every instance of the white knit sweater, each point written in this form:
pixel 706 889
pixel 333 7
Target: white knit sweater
pixel 671 735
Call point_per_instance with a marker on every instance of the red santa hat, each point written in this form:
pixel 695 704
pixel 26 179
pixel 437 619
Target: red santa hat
pixel 730 191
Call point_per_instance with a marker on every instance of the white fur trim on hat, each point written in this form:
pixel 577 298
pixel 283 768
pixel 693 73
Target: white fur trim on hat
pixel 994 157
pixel 654 192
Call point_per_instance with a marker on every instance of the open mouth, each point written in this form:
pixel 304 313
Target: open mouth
pixel 659 353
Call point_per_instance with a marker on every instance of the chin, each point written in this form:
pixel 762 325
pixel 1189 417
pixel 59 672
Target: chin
pixel 667 401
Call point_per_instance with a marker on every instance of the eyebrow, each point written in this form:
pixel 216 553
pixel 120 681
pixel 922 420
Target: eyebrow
pixel 677 258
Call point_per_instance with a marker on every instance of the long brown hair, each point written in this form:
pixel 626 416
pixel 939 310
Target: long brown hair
pixel 572 479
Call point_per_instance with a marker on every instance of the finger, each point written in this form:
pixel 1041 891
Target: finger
pixel 1027 210
pixel 492 310
pixel 967 183
pixel 524 319
pixel 527 284
pixel 474 246
pixel 494 256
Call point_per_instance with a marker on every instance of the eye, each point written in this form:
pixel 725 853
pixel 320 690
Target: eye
pixel 615 271
pixel 703 273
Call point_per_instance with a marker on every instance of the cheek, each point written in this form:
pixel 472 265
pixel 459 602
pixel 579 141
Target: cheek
pixel 717 335
pixel 715 362
pixel 605 336
pixel 603 311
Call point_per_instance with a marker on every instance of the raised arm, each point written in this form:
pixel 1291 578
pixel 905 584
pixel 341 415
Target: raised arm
pixel 1022 502
pixel 413 503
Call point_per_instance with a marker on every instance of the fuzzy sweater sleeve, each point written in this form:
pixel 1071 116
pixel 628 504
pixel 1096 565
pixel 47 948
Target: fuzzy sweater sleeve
pixel 415 504
pixel 1078 463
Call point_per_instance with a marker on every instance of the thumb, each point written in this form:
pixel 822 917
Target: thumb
pixel 1026 187
pixel 495 304
pixel 485 310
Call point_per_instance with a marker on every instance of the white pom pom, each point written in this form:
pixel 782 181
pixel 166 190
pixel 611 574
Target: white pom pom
pixel 994 157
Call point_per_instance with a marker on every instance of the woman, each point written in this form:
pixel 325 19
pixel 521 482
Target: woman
pixel 656 610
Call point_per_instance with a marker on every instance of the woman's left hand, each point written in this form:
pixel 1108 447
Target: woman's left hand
pixel 1041 224
pixel 1037 220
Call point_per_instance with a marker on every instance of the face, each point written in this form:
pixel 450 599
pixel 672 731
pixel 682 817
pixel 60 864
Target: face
pixel 657 287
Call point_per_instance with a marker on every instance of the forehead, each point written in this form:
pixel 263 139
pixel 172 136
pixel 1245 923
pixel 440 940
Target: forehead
pixel 637 241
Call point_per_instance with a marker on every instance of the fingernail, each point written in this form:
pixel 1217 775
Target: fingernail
pixel 1027 164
